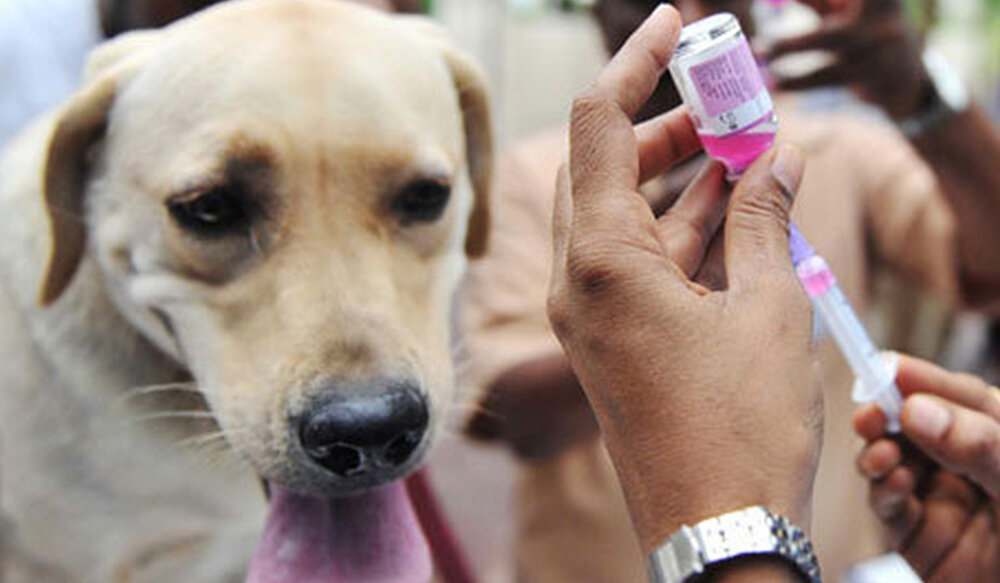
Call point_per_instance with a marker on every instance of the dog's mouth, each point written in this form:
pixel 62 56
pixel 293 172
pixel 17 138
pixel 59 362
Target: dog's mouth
pixel 372 537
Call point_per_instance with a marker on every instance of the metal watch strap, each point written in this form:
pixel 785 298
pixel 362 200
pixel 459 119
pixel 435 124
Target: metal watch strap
pixel 750 531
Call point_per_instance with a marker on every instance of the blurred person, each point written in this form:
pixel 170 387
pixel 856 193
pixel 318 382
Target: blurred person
pixel 936 487
pixel 44 45
pixel 869 202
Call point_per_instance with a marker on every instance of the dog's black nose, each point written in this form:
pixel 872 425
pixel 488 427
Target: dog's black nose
pixel 364 431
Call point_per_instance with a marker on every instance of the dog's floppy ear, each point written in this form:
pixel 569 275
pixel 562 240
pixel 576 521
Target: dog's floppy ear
pixel 474 101
pixel 78 125
pixel 123 52
pixel 473 98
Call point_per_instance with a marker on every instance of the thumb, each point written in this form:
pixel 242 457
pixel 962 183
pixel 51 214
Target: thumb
pixel 757 219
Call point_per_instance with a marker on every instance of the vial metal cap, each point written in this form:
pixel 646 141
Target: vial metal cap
pixel 707 32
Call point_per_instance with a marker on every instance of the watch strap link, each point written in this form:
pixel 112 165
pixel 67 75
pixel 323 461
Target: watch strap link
pixel 751 531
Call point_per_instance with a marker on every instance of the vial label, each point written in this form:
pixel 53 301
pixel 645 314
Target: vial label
pixel 731 91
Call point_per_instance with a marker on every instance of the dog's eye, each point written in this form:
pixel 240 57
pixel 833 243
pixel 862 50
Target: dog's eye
pixel 216 212
pixel 422 201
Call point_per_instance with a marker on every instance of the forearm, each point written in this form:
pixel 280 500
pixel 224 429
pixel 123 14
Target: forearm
pixel 538 408
pixel 964 153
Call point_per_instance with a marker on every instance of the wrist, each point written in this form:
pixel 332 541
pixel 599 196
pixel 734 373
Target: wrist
pixel 658 511
pixel 669 487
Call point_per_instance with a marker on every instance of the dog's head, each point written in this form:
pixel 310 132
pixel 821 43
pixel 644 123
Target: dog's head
pixel 282 194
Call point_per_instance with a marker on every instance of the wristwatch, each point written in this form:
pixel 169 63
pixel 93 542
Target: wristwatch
pixel 947 96
pixel 750 531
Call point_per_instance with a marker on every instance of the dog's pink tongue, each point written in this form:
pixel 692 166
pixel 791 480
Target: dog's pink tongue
pixel 370 538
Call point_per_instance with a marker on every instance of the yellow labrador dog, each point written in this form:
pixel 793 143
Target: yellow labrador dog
pixel 273 200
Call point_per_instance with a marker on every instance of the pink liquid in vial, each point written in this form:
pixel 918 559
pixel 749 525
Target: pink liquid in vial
pixel 738 150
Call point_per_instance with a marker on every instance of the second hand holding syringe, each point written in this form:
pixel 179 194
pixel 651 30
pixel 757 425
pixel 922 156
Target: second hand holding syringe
pixel 717 77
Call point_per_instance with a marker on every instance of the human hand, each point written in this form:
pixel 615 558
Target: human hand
pixel 708 400
pixel 875 51
pixel 937 490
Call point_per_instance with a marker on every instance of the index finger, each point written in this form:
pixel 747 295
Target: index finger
pixel 919 376
pixel 603 153
pixel 633 73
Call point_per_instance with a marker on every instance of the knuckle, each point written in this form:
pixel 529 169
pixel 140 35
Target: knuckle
pixel 657 61
pixel 699 231
pixel 762 203
pixel 985 448
pixel 560 312
pixel 588 105
pixel 593 271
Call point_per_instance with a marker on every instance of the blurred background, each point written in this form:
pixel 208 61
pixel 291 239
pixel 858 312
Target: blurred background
pixel 555 44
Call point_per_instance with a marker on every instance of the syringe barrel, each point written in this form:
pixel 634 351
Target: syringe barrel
pixel 842 322
pixel 875 380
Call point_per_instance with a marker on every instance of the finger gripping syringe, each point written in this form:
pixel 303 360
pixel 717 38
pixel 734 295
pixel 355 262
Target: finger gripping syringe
pixel 875 377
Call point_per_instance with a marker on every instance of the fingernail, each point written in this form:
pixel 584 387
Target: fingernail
pixel 929 418
pixel 787 167
pixel 659 8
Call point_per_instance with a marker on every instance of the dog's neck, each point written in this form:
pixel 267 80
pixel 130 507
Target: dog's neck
pixel 96 355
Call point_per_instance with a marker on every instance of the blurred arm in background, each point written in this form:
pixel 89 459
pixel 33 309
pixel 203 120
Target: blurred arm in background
pixel 879 54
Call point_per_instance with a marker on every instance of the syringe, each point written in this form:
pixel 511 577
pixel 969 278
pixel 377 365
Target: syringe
pixel 875 377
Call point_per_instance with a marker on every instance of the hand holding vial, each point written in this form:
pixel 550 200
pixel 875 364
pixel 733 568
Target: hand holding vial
pixel 672 369
pixel 937 486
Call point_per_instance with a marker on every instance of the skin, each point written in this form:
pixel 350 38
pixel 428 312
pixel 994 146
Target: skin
pixel 625 297
pixel 936 487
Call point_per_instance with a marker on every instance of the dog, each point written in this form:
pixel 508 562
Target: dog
pixel 245 229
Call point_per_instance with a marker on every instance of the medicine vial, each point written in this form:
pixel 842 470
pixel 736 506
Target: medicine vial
pixel 719 80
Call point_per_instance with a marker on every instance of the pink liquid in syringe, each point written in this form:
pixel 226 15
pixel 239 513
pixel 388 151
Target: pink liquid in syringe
pixel 738 150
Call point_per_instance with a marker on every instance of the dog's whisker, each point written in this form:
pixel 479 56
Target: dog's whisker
pixel 184 387
pixel 203 441
pixel 255 242
pixel 173 415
